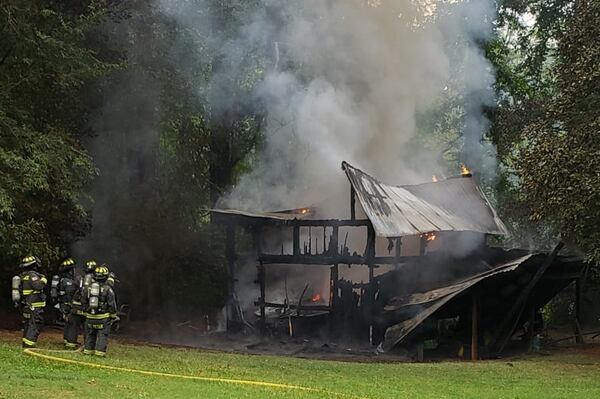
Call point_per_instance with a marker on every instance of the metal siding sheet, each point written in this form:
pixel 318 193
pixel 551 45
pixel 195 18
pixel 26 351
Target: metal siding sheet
pixel 451 205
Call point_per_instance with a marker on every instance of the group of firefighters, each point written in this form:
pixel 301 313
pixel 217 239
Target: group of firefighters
pixel 87 302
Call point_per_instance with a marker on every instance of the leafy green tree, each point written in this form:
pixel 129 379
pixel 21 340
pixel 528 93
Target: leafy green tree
pixel 46 62
pixel 558 162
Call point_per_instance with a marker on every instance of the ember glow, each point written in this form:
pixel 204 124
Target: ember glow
pixel 464 171
pixel 429 236
pixel 304 211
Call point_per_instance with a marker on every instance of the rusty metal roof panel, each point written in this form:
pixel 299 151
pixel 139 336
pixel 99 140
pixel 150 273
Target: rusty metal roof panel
pixel 278 215
pixel 455 204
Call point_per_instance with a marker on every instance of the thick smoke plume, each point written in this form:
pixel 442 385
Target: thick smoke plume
pixel 346 81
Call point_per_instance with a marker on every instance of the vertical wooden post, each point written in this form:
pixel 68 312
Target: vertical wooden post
pixel 263 289
pixel 578 332
pixel 422 245
pixel 230 256
pixel 397 250
pixel 475 327
pixel 334 277
pixel 370 256
pixel 531 330
pixel 352 202
pixel 296 240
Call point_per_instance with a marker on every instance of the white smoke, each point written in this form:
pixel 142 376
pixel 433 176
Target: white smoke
pixel 346 82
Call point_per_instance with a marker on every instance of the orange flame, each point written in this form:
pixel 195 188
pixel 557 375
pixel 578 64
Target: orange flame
pixel 429 236
pixel 316 298
pixel 434 178
pixel 464 171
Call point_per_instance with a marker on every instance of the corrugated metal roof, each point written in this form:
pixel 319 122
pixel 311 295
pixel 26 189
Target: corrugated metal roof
pixel 424 304
pixel 278 215
pixel 455 204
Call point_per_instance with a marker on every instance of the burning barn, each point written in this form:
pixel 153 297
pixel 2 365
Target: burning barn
pixel 409 266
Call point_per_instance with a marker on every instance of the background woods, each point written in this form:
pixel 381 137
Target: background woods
pixel 121 122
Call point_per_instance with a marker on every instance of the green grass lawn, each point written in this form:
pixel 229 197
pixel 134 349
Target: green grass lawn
pixel 571 374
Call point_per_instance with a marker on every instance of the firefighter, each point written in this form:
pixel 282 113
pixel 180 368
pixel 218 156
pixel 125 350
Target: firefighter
pixel 28 294
pixel 64 288
pixel 76 320
pixel 101 310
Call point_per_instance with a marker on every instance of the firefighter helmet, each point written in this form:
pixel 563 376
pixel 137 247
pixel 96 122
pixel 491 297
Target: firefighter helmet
pixel 90 265
pixel 101 272
pixel 29 261
pixel 67 264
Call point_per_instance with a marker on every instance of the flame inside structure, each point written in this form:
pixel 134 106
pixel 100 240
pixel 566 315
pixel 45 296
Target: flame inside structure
pixel 464 171
pixel 429 236
pixel 316 298
pixel 304 211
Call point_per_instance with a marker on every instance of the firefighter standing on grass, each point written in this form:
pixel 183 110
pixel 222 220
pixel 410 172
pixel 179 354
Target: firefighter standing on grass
pixel 76 319
pixel 64 288
pixel 28 293
pixel 101 309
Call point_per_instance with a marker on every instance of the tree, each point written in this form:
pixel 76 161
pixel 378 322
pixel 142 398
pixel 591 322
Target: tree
pixel 558 163
pixel 45 63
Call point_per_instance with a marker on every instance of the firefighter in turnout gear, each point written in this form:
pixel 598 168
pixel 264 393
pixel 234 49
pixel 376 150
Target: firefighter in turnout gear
pixel 28 294
pixel 76 320
pixel 64 288
pixel 101 310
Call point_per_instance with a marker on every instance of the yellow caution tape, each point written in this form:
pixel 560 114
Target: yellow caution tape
pixel 36 352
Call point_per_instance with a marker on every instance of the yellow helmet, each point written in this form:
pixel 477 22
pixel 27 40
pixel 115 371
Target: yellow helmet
pixel 67 264
pixel 90 265
pixel 28 261
pixel 101 272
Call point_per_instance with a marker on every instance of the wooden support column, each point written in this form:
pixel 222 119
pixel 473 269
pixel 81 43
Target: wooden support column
pixel 509 324
pixel 578 316
pixel 352 203
pixel 422 245
pixel 296 240
pixel 397 250
pixel 370 256
pixel 230 256
pixel 531 330
pixel 263 288
pixel 474 327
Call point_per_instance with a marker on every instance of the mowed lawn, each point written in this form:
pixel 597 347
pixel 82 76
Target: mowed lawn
pixel 565 374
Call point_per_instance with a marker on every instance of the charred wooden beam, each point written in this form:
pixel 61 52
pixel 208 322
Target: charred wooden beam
pixel 332 260
pixel 506 329
pixel 296 241
pixel 352 203
pixel 578 290
pixel 295 306
pixel 475 327
pixel 263 288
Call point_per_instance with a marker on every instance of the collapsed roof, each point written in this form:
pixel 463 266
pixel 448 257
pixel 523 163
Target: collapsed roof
pixel 455 204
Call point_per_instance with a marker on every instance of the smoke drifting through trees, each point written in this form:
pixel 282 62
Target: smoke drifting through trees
pixel 346 80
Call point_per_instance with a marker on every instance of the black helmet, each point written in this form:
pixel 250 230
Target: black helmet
pixel 66 265
pixel 29 262
pixel 90 265
pixel 101 272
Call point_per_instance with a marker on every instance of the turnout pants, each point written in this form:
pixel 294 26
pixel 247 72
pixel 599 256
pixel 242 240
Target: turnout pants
pixel 32 323
pixel 96 336
pixel 73 325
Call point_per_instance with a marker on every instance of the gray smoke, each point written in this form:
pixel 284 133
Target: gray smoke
pixel 346 80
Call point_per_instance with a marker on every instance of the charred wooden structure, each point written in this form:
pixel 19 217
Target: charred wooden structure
pixel 490 291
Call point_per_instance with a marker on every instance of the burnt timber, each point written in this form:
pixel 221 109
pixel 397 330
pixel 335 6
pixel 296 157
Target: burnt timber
pixel 396 305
